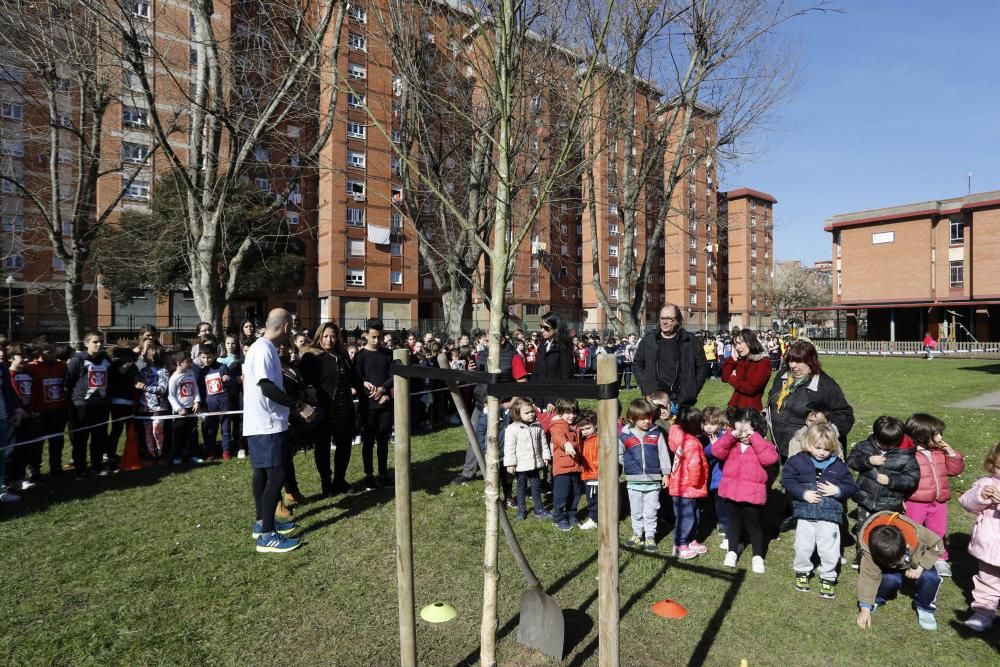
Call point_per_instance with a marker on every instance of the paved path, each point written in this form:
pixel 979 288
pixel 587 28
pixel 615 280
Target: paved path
pixel 983 402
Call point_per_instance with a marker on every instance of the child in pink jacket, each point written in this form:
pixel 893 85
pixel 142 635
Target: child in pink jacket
pixel 983 500
pixel 745 480
pixel 928 504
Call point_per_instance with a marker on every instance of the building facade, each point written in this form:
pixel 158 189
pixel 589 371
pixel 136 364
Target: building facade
pixel 748 221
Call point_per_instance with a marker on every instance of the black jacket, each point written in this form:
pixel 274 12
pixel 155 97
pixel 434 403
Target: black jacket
pixel 553 365
pixel 326 372
pixel 901 467
pixel 792 416
pixel 693 372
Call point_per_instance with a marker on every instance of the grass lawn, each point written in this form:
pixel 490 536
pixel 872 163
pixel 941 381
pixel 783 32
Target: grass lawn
pixel 157 567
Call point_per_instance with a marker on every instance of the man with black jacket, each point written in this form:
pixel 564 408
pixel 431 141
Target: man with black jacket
pixel 671 359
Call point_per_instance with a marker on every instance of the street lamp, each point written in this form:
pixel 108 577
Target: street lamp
pixel 708 274
pixel 10 307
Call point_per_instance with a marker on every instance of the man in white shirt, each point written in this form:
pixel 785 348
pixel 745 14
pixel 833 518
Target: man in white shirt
pixel 265 425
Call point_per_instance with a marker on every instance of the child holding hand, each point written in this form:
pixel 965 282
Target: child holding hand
pixel 525 454
pixel 565 443
pixel 983 500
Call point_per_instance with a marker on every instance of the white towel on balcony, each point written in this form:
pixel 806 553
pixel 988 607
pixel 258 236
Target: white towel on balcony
pixel 379 235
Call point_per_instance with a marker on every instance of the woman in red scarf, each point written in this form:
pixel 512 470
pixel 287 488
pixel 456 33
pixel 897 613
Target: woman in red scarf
pixel 747 371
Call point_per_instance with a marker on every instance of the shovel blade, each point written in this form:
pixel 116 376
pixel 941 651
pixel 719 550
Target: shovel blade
pixel 542 626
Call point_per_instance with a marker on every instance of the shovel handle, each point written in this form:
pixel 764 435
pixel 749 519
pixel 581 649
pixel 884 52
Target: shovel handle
pixel 470 432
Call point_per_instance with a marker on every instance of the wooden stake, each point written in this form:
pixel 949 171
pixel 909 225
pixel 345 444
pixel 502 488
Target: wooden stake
pixel 404 517
pixel 607 513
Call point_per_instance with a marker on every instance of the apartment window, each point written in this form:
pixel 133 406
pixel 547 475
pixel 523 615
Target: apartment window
pixel 753 270
pixel 8 187
pixel 357 14
pixel 692 244
pixel 356 247
pixel 262 154
pixel 579 271
pixel 579 251
pixel 612 229
pixel 612 251
pixel 397 85
pixel 693 299
pixel 534 261
pixel 565 293
pixel 692 261
pixel 753 302
pixel 956 272
pixel 356 130
pixel 957 231
pixel 427 284
pixel 753 221
pixel 753 204
pixel 291 218
pixel 135 117
pixel 57 264
pixel 563 249
pixel 356 102
pixel 356 217
pixel 396 249
pixel 13 262
pixel 396 137
pixel 536 103
pixel 395 166
pixel 136 189
pixel 357 71
pixel 612 271
pixel 134 153
pixel 356 277
pixel 67 229
pixel 263 184
pixel 141 9
pixel 613 209
pixel 11 111
pixel 692 279
pixel 293 131
pixel 294 160
pixel 13 223
pixel 9 73
pixel 531 309
pixel 357 42
pixel 753 237
pixel 396 277
pixel 356 189
pixel 533 286
pixel 613 293
pixel 356 159
pixel 564 229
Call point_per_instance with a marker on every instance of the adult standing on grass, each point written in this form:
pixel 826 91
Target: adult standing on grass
pixel 374 366
pixel 671 359
pixel 265 425
pixel 747 371
pixel 554 360
pixel 801 384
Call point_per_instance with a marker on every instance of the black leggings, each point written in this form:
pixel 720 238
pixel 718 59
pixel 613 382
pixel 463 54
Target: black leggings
pixel 745 516
pixel 376 428
pixel 266 492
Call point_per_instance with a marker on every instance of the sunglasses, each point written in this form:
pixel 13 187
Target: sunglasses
pixel 662 406
pixel 545 328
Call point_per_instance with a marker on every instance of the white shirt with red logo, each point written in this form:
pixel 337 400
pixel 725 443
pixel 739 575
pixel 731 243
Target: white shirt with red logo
pixel 182 391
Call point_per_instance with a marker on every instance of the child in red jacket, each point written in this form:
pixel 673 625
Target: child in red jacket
pixel 928 504
pixel 586 421
pixel 565 442
pixel 688 481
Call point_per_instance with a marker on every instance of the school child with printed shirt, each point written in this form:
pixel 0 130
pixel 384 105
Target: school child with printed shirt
pixel 87 388
pixel 688 482
pixel 928 504
pixel 983 500
pixel 182 392
pixel 644 455
pixel 526 454
pixel 25 461
pixel 213 389
pixel 564 441
pixel 48 401
pixel 819 483
pixel 714 425
pixel 586 422
pixel 153 385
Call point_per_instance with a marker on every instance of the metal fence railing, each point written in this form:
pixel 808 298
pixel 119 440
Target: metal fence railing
pixel 883 348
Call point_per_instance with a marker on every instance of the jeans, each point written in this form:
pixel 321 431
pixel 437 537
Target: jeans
pixel 565 497
pixel 643 506
pixel 376 430
pixel 686 518
pixel 925 593
pixel 536 492
pixel 591 491
pixel 627 374
pixel 721 517
pixel 822 537
pixel 54 421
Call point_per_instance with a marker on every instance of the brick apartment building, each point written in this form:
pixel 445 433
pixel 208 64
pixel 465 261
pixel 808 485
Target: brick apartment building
pixel 926 266
pixel 747 254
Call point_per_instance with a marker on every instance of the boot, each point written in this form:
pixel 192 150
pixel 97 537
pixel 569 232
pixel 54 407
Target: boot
pixel 282 512
pixel 293 498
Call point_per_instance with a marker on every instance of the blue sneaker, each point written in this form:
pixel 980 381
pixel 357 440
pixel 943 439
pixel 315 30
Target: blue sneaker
pixel 543 514
pixel 274 543
pixel 280 527
pixel 564 526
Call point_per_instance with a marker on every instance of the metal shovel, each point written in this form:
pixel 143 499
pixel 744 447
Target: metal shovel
pixel 541 624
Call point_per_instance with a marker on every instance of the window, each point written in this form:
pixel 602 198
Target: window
pixel 64 120
pixel 396 277
pixel 129 78
pixel 531 309
pixel 11 111
pixel 356 247
pixel 57 264
pixel 263 184
pixel 356 71
pixel 753 302
pixel 261 154
pixel 356 189
pixel 693 299
pixel 579 251
pixel 395 166
pixel 134 153
pixel 396 137
pixel 13 262
pixel 692 261
pixel 357 14
pixel 356 159
pixel 753 253
pixel 291 218
pixel 13 223
pixel 293 131
pixel 564 249
pixel 753 270
pixel 355 217
pixel 753 221
pixel 137 189
pixel 612 229
pixel 396 220
pixel 692 243
pixel 565 293
pixel 956 270
pixel 612 251
pixel 357 42
pixel 10 73
pixel 135 117
pixel 536 103
pixel 579 271
pixel 564 229
pixel 753 237
pixel 356 102
pixel 613 209
pixel 427 284
pixel 957 231
pixel 397 85
pixel 396 249
pixel 9 187
pixel 356 277
pixel 533 286
pixel 692 279
pixel 141 9
pixel 612 271
pixel 356 130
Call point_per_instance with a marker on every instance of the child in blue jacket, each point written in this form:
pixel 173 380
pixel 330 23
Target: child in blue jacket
pixel 715 423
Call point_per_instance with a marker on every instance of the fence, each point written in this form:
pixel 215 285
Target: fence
pixel 903 348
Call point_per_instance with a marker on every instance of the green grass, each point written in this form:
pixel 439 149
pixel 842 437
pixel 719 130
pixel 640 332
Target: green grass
pixel 158 568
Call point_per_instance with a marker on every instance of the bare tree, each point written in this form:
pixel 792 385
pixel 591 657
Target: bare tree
pixel 63 81
pixel 793 288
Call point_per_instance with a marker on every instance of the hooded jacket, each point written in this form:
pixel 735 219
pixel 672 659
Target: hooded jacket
pixel 922 546
pixel 689 476
pixel 900 467
pixel 561 433
pixel 745 476
pixel 525 447
pixel 935 469
pixel 985 541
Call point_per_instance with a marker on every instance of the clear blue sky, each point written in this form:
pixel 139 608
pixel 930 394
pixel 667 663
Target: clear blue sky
pixel 897 102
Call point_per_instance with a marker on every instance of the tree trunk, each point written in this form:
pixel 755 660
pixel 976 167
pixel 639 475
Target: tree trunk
pixel 453 306
pixel 208 299
pixel 73 295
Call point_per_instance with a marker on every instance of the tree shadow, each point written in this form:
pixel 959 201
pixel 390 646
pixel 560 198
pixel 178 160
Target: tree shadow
pixel 992 369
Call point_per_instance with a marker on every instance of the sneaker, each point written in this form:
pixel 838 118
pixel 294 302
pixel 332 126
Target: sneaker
pixel 589 524
pixel 724 544
pixel 280 527
pixel 980 621
pixel 788 524
pixel 802 582
pixel 461 480
pixel 177 461
pixel 926 620
pixel 564 526
pixel 634 542
pixel 686 552
pixel 757 565
pixel 274 543
pixel 8 497
pixel 730 559
pixel 242 454
pixel 226 456
pixel 650 545
pixel 826 589
pixel 197 459
pixel 543 514
pixel 698 547
pixel 27 484
pixel 943 567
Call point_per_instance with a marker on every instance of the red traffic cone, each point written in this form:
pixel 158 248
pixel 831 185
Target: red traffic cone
pixel 130 457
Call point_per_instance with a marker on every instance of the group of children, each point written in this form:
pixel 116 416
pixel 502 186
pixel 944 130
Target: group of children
pixel 722 463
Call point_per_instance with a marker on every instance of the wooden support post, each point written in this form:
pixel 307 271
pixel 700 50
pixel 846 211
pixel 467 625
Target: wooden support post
pixel 607 512
pixel 404 517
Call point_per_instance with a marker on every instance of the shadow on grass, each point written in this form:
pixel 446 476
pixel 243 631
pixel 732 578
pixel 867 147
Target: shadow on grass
pixel 992 369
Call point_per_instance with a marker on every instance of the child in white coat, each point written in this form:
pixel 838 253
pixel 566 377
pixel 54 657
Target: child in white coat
pixel 526 453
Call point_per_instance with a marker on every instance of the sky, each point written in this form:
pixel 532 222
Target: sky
pixel 897 102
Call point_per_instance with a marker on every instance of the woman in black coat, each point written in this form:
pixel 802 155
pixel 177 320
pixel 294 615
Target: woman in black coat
pixel 554 358
pixel 326 366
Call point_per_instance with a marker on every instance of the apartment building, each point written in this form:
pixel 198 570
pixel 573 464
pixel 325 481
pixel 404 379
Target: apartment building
pixel 926 266
pixel 747 223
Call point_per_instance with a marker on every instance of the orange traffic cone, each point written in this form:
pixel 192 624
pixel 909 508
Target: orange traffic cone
pixel 669 609
pixel 130 457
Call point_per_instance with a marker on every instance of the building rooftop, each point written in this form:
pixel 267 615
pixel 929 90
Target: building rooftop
pixel 923 209
pixel 739 193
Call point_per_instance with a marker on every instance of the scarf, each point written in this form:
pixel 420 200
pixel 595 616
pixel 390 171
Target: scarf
pixel 790 385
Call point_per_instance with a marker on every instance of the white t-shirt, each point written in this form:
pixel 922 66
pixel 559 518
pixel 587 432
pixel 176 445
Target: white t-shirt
pixel 261 415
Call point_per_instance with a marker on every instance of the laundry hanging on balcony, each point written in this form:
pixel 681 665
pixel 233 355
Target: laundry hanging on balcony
pixel 379 235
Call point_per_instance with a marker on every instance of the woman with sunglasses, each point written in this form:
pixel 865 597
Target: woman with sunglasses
pixel 554 357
